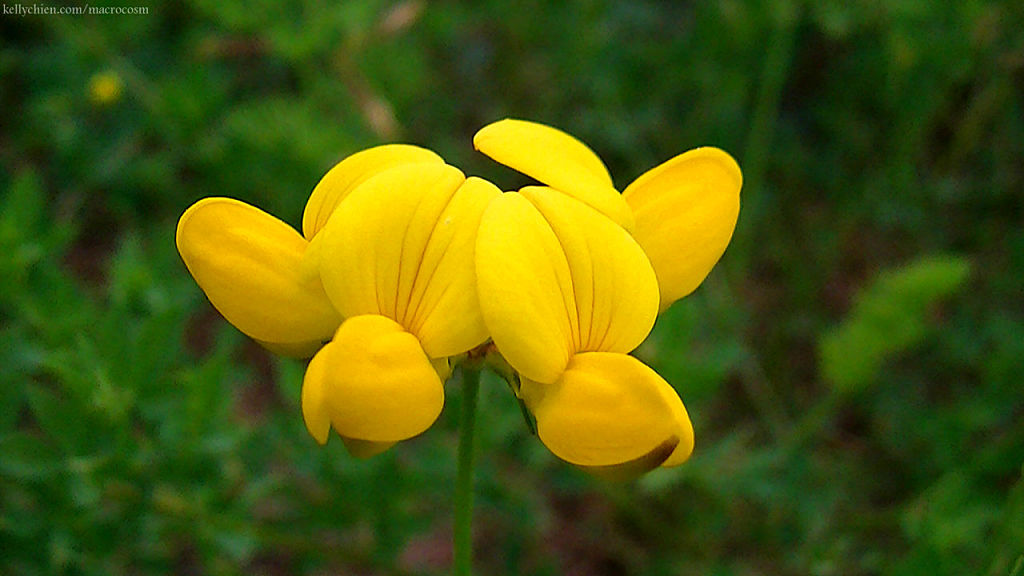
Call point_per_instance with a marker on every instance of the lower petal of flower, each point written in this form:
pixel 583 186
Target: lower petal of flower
pixel 610 413
pixel 372 383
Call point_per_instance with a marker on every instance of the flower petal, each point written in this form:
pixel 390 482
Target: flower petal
pixel 373 383
pixel 609 410
pixel 686 211
pixel 401 246
pixel 364 243
pixel 557 159
pixel 525 288
pixel 250 265
pixel 684 448
pixel 348 174
pixel 443 310
pixel 615 291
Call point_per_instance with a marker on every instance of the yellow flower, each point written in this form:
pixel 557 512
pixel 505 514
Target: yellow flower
pixel 381 286
pixel 396 260
pixel 682 212
pixel 105 88
pixel 566 294
pixel 404 263
pixel 259 273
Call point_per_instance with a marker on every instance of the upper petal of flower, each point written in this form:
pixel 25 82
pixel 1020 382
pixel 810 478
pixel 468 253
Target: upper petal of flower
pixel 443 309
pixel 346 175
pixel 557 159
pixel 373 383
pixel 609 411
pixel 525 288
pixel 401 246
pixel 250 265
pixel 556 277
pixel 686 211
pixel 615 291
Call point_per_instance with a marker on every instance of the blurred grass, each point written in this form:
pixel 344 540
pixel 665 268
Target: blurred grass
pixel 139 434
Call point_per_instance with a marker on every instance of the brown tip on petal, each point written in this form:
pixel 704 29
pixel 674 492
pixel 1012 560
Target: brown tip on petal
pixel 633 469
pixel 363 449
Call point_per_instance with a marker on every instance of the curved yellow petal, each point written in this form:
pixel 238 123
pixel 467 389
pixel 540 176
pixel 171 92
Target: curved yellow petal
pixel 373 383
pixel 557 159
pixel 615 291
pixel 364 258
pixel 443 310
pixel 684 448
pixel 610 410
pixel 348 174
pixel 686 211
pixel 314 397
pixel 250 265
pixel 525 288
pixel 402 246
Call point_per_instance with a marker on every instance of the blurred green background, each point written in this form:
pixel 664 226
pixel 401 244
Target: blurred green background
pixel 853 366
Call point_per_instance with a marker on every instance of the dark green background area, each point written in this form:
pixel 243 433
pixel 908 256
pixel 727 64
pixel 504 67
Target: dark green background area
pixel 853 366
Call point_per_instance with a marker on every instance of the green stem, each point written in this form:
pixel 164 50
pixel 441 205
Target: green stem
pixel 774 72
pixel 463 556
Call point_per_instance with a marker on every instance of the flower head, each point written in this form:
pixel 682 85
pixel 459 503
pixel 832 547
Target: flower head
pixel 566 294
pixel 381 287
pixel 404 263
pixel 600 265
pixel 396 260
pixel 259 273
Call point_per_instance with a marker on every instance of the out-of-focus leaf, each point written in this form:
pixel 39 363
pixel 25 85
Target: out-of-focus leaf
pixel 1018 568
pixel 950 514
pixel 890 316
pixel 21 209
pixel 14 357
pixel 1011 539
pixel 59 418
pixel 24 456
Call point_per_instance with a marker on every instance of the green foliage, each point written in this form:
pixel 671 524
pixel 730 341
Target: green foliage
pixel 139 434
pixel 889 317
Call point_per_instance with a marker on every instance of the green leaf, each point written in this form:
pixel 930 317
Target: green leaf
pixel 15 358
pixel 24 456
pixel 21 211
pixel 952 514
pixel 23 207
pixel 58 417
pixel 889 316
pixel 1018 568
pixel 1011 533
